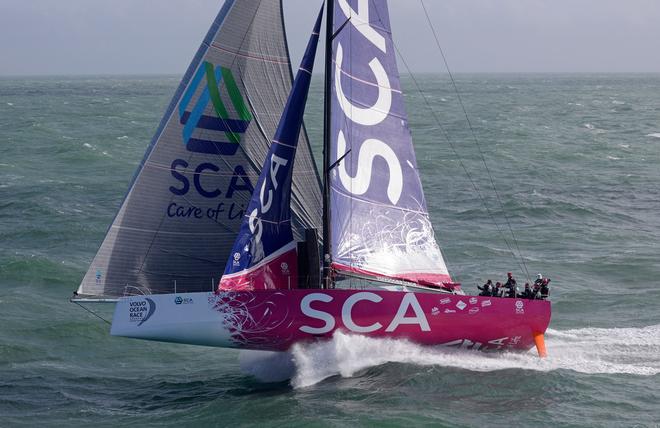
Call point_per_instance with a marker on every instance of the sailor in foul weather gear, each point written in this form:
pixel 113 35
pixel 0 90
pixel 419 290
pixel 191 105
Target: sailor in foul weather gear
pixel 497 291
pixel 510 285
pixel 536 290
pixel 486 289
pixel 527 292
pixel 545 289
pixel 539 280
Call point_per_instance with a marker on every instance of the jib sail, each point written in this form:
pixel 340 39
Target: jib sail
pixel 181 215
pixel 379 221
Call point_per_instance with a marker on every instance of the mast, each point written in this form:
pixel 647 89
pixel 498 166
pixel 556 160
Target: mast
pixel 327 94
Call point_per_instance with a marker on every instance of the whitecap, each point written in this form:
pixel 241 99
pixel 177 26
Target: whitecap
pixel 10 104
pixel 123 137
pixel 654 135
pixel 589 126
pixel 613 158
pixel 89 146
pixel 617 102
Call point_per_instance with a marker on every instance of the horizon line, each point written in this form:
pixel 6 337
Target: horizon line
pixel 173 74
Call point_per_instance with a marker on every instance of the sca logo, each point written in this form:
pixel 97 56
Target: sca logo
pixel 220 132
pixel 183 300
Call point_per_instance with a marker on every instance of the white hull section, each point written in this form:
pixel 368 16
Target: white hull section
pixel 159 317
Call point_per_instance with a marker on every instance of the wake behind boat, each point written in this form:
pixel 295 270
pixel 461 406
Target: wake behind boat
pixel 224 183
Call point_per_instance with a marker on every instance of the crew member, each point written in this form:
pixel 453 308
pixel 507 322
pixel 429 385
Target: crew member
pixel 510 285
pixel 545 288
pixel 536 290
pixel 510 280
pixel 527 292
pixel 539 280
pixel 497 291
pixel 486 289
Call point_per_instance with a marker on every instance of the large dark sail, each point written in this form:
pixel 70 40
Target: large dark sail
pixel 183 210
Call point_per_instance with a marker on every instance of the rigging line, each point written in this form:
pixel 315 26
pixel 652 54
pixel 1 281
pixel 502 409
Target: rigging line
pixel 460 160
pixel 92 312
pixel 474 134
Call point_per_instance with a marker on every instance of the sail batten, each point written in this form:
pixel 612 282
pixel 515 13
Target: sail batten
pixel 380 224
pixel 188 197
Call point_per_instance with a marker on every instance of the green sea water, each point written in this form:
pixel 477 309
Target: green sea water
pixel 576 163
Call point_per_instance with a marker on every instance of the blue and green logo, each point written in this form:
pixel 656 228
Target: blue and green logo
pixel 224 131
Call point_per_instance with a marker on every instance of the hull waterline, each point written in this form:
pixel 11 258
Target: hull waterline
pixel 276 320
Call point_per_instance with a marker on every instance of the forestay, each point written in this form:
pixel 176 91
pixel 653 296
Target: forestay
pixel 379 220
pixel 265 254
pixel 179 219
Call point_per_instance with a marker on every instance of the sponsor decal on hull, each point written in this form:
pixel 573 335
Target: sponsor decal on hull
pixel 178 300
pixel 139 311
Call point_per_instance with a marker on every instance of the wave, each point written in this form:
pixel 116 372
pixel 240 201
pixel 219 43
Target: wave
pixel 634 351
pixel 654 135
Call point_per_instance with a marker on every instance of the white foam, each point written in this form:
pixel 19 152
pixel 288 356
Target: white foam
pixel 123 137
pixel 654 135
pixel 589 126
pixel 633 351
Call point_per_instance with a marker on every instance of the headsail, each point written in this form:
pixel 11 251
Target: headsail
pixel 182 212
pixel 264 255
pixel 379 220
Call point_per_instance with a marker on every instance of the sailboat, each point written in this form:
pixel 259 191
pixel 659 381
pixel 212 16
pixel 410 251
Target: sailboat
pixel 228 236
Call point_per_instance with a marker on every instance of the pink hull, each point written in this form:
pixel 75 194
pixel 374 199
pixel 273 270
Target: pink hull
pixel 275 320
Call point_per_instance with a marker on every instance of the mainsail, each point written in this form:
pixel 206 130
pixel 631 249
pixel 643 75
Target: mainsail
pixel 265 255
pixel 379 221
pixel 176 226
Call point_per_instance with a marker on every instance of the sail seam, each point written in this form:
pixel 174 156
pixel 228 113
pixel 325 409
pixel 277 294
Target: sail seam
pixel 366 82
pixel 248 55
pixel 369 201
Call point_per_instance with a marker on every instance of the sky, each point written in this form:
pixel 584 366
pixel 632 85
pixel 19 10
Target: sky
pixel 65 37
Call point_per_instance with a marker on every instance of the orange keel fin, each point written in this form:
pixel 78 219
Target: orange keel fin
pixel 540 345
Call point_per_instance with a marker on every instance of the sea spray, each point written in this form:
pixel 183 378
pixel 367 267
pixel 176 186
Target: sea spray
pixel 633 351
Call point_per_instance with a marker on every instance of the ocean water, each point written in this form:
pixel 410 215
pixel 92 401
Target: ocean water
pixel 576 163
